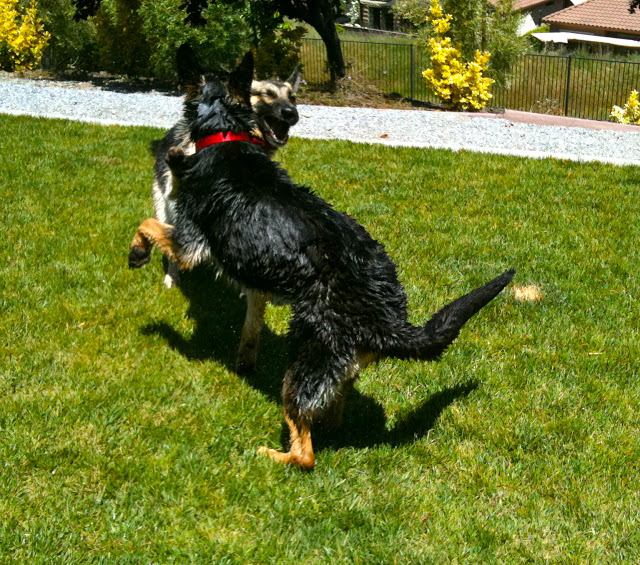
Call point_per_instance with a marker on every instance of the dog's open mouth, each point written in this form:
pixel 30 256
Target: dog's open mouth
pixel 276 132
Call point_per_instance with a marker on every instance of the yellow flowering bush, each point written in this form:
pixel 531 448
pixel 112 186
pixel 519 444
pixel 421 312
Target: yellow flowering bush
pixel 630 114
pixel 22 36
pixel 460 85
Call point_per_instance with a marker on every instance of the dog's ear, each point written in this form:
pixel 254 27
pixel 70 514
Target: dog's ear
pixel 189 70
pixel 294 80
pixel 240 80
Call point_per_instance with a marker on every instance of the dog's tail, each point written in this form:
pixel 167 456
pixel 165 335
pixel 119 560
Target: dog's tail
pixel 431 340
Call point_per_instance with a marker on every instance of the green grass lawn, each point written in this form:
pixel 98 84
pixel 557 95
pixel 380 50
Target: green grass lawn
pixel 125 437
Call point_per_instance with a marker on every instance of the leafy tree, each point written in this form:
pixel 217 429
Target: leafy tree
pixel 221 31
pixel 142 36
pixel 321 15
pixel 279 53
pixel 477 25
pixel 260 17
pixel 85 9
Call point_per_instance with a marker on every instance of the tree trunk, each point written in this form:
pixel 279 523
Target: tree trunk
pixel 321 15
pixel 327 30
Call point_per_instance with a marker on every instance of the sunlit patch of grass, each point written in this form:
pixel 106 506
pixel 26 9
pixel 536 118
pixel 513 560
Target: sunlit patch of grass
pixel 128 438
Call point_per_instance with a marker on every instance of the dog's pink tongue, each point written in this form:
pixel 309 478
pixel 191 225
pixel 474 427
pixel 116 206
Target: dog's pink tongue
pixel 276 141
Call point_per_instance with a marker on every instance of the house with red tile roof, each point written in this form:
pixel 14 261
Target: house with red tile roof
pixel 599 18
pixel 609 18
pixel 601 22
pixel 534 10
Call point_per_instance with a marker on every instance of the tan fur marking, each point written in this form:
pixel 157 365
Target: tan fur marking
pixel 268 93
pixel 301 451
pixel 254 320
pixel 194 90
pixel 235 96
pixel 257 134
pixel 152 232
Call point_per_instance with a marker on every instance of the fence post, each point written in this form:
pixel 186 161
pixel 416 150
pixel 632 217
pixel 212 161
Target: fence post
pixel 413 73
pixel 566 96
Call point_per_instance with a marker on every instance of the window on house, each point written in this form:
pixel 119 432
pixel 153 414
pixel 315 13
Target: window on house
pixel 388 20
pixel 374 18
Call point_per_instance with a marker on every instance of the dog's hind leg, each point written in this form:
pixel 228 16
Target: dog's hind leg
pixel 313 382
pixel 172 277
pixel 332 417
pixel 303 391
pixel 149 233
pixel 254 320
pixel 301 451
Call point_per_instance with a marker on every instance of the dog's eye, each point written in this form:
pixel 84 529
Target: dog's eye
pixel 271 94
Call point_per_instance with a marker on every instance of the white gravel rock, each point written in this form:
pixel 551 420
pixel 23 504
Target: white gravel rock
pixel 389 127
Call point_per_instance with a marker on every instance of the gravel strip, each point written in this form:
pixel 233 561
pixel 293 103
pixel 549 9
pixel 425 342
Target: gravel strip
pixel 389 127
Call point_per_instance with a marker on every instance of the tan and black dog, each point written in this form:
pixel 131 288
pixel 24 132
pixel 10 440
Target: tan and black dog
pixel 239 210
pixel 274 105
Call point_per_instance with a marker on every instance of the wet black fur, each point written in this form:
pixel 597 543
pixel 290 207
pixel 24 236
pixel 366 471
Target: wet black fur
pixel 278 114
pixel 272 235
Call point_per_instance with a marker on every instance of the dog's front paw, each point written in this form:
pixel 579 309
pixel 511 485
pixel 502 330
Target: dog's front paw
pixel 176 158
pixel 138 257
pixel 172 278
pixel 169 282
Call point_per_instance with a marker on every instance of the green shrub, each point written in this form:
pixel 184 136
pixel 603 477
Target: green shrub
pixel 122 45
pixel 72 43
pixel 22 36
pixel 630 114
pixel 224 37
pixel 141 37
pixel 279 52
pixel 460 85
pixel 477 25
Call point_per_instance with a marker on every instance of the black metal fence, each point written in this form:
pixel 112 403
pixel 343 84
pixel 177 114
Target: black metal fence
pixel 548 84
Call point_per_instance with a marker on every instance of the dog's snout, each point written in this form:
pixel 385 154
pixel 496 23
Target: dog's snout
pixel 289 115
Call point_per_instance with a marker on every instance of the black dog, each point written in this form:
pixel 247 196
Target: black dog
pixel 241 211
pixel 274 105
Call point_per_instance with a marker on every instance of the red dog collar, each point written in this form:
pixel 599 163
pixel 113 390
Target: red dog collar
pixel 222 137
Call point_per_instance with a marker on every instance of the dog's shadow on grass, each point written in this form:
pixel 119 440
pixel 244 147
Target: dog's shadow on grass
pixel 365 422
pixel 218 312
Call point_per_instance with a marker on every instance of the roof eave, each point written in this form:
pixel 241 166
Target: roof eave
pixel 586 27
